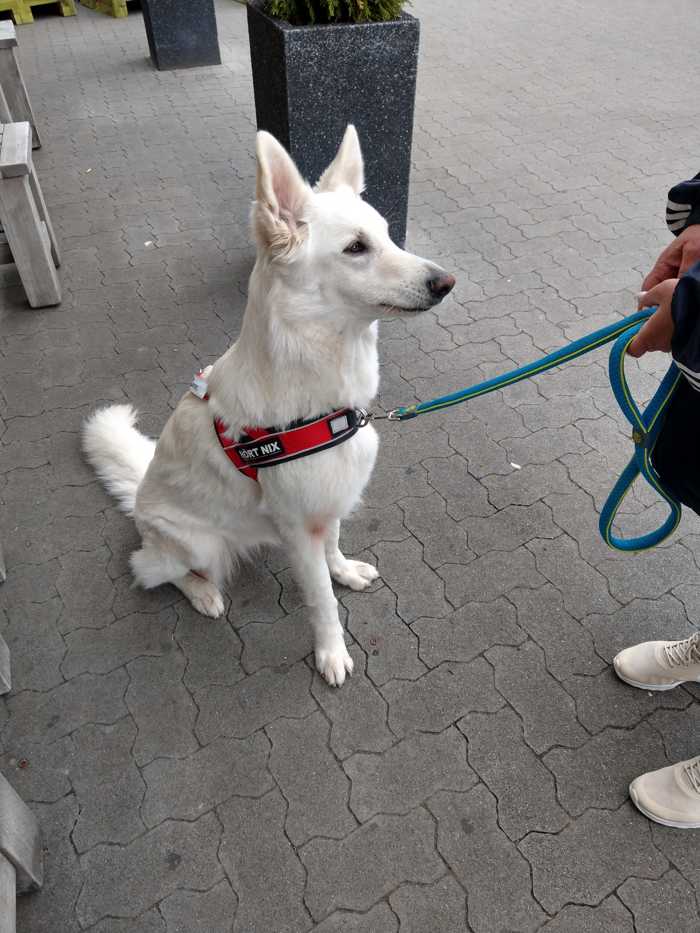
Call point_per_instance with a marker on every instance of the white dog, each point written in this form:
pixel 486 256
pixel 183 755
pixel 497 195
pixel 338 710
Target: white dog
pixel 326 270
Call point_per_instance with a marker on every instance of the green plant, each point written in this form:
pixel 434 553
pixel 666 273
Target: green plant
pixel 306 12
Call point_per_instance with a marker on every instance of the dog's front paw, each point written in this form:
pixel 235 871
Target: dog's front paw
pixel 354 573
pixel 334 664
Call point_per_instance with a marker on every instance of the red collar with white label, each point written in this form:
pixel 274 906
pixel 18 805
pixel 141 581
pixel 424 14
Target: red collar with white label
pixel 264 447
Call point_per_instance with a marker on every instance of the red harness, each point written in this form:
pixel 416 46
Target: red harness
pixel 264 447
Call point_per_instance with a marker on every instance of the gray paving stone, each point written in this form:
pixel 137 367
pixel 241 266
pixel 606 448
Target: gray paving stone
pixel 467 632
pixel 495 875
pixel 590 857
pixel 184 788
pixel 604 701
pixel 661 905
pixel 367 527
pixel 689 595
pixel 212 649
pixel 157 683
pixel 107 785
pixel 440 907
pixel 390 645
pixel 275 644
pixel 150 922
pixel 39 772
pixel 358 712
pixel 443 539
pixel 405 775
pixel 584 589
pixel 511 527
pixel 490 576
pixel 46 717
pixel 312 781
pixel 36 664
pixel 211 911
pixel 598 774
pixel 98 651
pixel 650 574
pixel 548 713
pixel 647 619
pixel 483 455
pixel 123 882
pixel 356 872
pixel 379 919
pixel 393 483
pixel 463 494
pixel 679 731
pixel 62 879
pixel 262 866
pixel 525 792
pixel 238 711
pixel 254 596
pixel 83 605
pixel 567 645
pixel 609 916
pixel 677 846
pixel 419 590
pixel 442 696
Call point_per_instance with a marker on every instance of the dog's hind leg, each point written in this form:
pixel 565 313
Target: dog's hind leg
pixel 204 595
pixel 153 565
pixel 353 573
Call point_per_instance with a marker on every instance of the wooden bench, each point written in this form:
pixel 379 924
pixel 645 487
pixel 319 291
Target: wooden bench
pixel 21 857
pixel 110 7
pixel 25 220
pixel 21 10
pixel 15 106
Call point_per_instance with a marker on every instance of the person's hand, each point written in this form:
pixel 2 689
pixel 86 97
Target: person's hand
pixel 676 259
pixel 657 332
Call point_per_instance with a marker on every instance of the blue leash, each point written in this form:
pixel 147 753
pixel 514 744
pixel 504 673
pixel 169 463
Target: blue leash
pixel 646 425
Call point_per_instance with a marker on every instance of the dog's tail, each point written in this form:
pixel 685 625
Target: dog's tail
pixel 119 453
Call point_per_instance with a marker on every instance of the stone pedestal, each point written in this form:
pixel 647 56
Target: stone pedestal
pixel 311 81
pixel 181 33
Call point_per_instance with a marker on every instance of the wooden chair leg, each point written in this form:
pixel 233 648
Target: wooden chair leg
pixel 20 839
pixel 15 92
pixel 29 241
pixel 5 674
pixel 8 897
pixel 44 214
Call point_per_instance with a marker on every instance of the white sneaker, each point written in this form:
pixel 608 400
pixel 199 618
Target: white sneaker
pixel 660 665
pixel 670 796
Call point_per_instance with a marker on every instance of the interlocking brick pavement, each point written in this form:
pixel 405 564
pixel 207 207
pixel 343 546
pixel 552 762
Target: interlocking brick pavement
pixel 472 775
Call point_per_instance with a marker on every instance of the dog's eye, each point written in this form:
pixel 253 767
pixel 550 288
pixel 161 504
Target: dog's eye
pixel 356 248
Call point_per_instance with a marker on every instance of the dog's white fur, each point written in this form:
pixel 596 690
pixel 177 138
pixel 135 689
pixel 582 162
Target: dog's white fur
pixel 308 345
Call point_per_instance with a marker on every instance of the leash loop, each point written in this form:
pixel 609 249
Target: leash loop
pixel 646 427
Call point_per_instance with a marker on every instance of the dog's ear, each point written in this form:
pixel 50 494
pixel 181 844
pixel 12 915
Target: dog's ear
pixel 282 196
pixel 348 167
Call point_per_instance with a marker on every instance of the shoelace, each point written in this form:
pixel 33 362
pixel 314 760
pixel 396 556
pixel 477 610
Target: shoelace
pixel 692 770
pixel 684 652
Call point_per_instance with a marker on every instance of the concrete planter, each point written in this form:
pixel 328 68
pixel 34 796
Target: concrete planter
pixel 181 33
pixel 311 81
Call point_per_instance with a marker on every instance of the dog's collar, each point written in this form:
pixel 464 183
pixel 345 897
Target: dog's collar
pixel 259 447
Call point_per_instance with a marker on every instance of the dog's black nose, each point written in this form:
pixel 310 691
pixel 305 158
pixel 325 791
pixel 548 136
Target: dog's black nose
pixel 441 285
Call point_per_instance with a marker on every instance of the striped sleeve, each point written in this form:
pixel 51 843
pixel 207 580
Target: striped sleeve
pixel 683 207
pixel 685 310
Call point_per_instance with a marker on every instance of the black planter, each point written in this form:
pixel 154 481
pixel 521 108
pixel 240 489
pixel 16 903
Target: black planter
pixel 181 33
pixel 311 81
